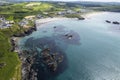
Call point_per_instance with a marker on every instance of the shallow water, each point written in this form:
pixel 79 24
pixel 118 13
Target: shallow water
pixel 93 52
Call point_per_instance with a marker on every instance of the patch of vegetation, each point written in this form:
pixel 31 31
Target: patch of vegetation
pixel 73 15
pixel 10 59
pixel 20 10
pixel 109 8
pixel 15 12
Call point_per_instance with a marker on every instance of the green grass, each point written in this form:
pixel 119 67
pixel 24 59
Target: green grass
pixel 42 7
pixel 108 8
pixel 73 15
pixel 20 10
pixel 6 56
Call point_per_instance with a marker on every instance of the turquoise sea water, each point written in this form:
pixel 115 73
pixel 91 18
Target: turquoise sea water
pixel 92 54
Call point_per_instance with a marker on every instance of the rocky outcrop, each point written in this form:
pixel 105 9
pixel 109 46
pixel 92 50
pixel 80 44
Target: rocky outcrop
pixel 51 60
pixel 26 33
pixel 108 21
pixel 115 22
pixel 27 59
pixel 13 44
pixel 30 59
pixel 19 35
pixel 68 36
pixel 81 18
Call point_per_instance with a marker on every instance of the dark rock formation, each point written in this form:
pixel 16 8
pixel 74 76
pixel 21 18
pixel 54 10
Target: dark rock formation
pixel 33 64
pixel 54 26
pixel 44 58
pixel 27 59
pixel 81 18
pixel 13 43
pixel 51 60
pixel 69 36
pixel 108 21
pixel 26 33
pixel 115 22
pixel 66 35
pixel 19 35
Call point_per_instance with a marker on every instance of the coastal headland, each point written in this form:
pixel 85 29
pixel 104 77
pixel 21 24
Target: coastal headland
pixel 18 20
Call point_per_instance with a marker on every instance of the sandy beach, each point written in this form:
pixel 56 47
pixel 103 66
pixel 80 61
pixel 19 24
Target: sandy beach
pixel 88 15
pixel 46 20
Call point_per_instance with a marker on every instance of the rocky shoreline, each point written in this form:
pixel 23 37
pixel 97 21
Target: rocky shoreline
pixel 32 64
pixel 30 60
pixel 27 58
pixel 26 61
pixel 26 33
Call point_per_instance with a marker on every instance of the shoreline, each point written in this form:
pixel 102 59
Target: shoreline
pixel 27 62
pixel 43 21
pixel 91 14
pixel 40 22
pixel 15 39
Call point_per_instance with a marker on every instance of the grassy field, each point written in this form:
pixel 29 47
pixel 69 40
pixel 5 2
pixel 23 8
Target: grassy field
pixel 20 10
pixel 10 59
pixel 73 16
pixel 11 70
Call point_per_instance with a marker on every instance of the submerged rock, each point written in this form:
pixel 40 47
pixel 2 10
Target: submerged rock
pixel 55 27
pixel 51 59
pixel 59 28
pixel 69 36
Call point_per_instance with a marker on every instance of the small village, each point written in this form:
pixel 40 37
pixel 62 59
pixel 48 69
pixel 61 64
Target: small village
pixel 4 23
